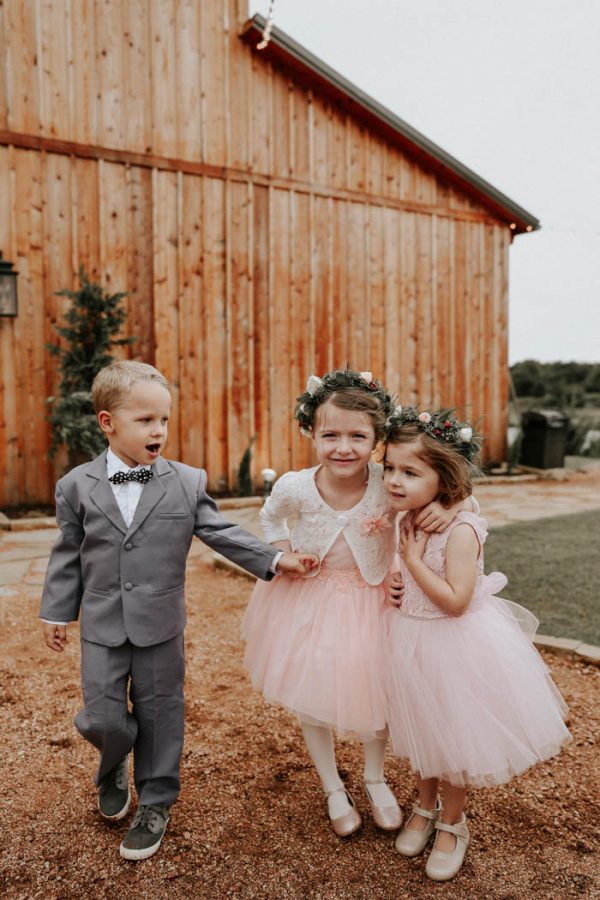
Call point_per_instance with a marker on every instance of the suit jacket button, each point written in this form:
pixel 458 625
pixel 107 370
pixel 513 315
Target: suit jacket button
pixel 128 586
pixel 129 546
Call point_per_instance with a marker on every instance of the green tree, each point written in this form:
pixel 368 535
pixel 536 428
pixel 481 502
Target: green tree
pixel 89 332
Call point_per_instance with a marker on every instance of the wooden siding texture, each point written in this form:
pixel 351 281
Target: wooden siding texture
pixel 261 234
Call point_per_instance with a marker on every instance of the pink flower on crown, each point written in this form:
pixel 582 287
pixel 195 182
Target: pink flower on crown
pixel 366 376
pixel 376 524
pixel 425 417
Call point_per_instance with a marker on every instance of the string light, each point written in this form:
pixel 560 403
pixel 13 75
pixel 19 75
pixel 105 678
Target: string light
pixel 266 35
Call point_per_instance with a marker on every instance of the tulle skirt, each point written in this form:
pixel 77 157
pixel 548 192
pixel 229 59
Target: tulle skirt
pixel 313 646
pixel 469 699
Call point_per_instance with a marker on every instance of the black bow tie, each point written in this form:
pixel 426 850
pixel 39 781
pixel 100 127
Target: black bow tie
pixel 143 475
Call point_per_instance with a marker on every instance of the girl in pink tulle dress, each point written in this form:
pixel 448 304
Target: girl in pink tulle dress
pixel 469 701
pixel 312 644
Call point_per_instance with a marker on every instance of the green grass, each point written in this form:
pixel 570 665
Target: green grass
pixel 553 568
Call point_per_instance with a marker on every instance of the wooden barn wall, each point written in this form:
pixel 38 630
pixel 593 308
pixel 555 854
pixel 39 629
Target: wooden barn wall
pixel 261 234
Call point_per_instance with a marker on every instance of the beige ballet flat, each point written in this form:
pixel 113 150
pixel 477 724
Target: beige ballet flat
pixel 412 843
pixel 388 818
pixel 444 866
pixel 350 822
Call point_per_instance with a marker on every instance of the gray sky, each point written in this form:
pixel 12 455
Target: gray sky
pixel 512 89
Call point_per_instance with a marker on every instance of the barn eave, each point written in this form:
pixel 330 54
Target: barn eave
pixel 282 50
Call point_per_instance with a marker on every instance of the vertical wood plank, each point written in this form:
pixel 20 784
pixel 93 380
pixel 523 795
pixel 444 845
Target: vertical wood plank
pixel 357 155
pixel 11 386
pixel 55 53
pixel 213 79
pixel 339 284
pixel 140 263
pixel 321 272
pixel 239 332
pixel 392 299
pixel 110 75
pixel 83 89
pixel 443 304
pixel 359 330
pixel 461 345
pixel 376 284
pixel 137 89
pixel 192 336
pixel 261 326
pixel 300 326
pixel 165 55
pixel 424 310
pixel 166 292
pixel 279 331
pixel 216 324
pixel 57 262
pixel 300 134
pixel 280 119
pixel 22 62
pixel 408 321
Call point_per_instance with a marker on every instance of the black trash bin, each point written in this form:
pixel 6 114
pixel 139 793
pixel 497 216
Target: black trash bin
pixel 544 438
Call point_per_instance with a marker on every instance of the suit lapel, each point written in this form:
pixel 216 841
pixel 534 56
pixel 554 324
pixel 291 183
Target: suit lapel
pixel 153 493
pixel 102 493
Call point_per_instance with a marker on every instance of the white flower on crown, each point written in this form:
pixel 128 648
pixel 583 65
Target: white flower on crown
pixel 424 417
pixel 313 384
pixel 398 411
pixel 465 434
pixel 366 376
pixel 305 432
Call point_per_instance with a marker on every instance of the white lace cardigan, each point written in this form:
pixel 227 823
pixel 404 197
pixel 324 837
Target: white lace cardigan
pixel 366 527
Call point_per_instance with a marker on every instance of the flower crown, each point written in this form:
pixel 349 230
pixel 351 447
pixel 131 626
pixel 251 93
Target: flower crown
pixel 318 389
pixel 440 425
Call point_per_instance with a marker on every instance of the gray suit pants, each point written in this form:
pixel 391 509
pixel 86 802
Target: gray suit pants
pixel 152 679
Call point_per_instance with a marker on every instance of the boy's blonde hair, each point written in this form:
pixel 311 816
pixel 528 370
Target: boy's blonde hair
pixel 113 383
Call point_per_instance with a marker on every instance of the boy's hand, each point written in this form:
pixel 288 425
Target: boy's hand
pixel 395 588
pixel 297 563
pixel 435 517
pixel 412 544
pixel 55 636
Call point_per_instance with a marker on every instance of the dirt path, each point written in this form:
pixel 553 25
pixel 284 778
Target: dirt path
pixel 250 822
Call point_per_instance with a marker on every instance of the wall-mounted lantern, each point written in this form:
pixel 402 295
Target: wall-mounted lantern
pixel 8 288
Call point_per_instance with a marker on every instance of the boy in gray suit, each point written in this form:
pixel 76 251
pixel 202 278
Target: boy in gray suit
pixel 127 520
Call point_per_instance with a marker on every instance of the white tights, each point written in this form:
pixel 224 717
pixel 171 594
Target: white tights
pixel 319 742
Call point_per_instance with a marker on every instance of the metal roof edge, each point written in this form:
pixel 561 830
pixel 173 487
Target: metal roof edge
pixel 283 41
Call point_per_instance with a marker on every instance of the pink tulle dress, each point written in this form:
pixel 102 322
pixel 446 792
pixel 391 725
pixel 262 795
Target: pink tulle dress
pixel 312 645
pixel 469 699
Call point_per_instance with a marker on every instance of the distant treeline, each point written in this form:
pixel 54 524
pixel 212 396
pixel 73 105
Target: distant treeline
pixel 560 383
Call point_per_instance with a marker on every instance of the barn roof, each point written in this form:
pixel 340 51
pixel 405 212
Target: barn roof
pixel 285 51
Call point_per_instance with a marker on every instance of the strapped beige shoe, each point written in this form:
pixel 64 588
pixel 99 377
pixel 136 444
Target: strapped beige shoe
pixel 350 821
pixel 412 843
pixel 444 866
pixel 388 818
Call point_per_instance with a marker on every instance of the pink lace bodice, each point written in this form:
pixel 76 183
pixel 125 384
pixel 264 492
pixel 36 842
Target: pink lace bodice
pixel 415 602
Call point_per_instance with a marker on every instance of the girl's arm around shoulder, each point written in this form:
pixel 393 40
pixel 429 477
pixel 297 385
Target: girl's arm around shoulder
pixel 453 593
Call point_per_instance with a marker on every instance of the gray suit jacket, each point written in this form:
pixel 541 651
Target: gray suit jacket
pixel 128 583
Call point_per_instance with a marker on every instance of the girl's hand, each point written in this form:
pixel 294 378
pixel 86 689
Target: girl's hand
pixel 435 517
pixel 412 543
pixel 395 588
pixel 297 564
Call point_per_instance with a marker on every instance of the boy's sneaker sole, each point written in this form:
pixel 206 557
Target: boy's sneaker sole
pixel 146 833
pixel 146 853
pixel 116 817
pixel 114 795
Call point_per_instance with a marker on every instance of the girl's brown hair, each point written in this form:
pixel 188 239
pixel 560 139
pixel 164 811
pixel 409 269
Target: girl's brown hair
pixel 358 400
pixel 455 472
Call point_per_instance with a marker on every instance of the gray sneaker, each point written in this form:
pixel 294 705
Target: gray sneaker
pixel 146 832
pixel 113 792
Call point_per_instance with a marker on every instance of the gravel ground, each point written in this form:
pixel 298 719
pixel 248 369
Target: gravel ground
pixel 250 822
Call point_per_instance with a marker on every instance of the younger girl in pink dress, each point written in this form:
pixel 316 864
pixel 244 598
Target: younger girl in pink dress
pixel 313 642
pixel 469 699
